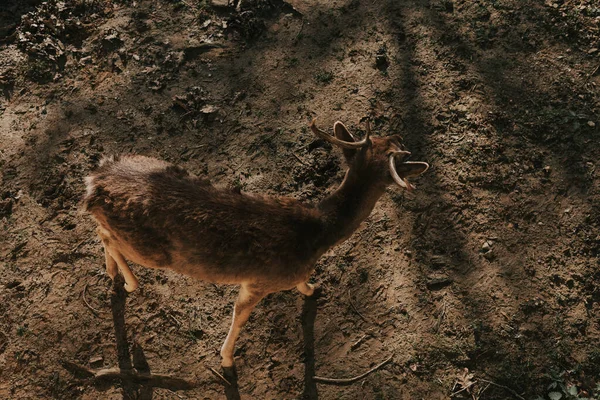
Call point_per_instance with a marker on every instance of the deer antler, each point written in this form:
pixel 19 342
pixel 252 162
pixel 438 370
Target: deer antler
pixel 336 141
pixel 402 182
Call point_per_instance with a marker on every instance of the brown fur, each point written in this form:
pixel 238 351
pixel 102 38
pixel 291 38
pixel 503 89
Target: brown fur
pixel 157 215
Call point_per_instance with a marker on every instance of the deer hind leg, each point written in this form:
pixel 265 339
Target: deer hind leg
pixel 244 305
pixel 115 261
pixel 306 288
pixel 131 282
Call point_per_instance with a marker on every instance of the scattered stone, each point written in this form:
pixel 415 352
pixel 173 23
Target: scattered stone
pixel 439 262
pixel 209 109
pixel 96 362
pixel 533 305
pixel 220 3
pixel 487 246
pixel 192 52
pixel 381 59
pixel 438 282
pixel 591 124
pixel 156 85
pixel 112 41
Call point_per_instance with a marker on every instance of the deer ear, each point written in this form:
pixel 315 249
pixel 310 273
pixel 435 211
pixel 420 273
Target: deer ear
pixel 341 132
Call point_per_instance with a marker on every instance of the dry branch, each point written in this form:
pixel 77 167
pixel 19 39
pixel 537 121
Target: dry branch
pixel 218 375
pixel 518 396
pixel 348 381
pixel 154 380
pixel 97 312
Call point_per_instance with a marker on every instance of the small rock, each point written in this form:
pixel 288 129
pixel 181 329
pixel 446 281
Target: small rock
pixel 220 3
pixel 438 282
pixel 209 109
pixel 547 169
pixel 96 361
pixel 591 124
pixel 382 62
pixel 156 85
pixel 593 50
pixel 439 262
pixel 486 247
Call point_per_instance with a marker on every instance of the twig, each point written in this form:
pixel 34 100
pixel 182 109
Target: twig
pixel 175 393
pixel 299 159
pixel 88 304
pixel 457 140
pixel 348 381
pixel 440 317
pixel 170 314
pixel 154 380
pixel 463 389
pixel 356 310
pixel 483 390
pixel 218 375
pixel 300 31
pixel 518 396
pixel 587 78
pixel 185 115
pixel 78 245
pixel 359 341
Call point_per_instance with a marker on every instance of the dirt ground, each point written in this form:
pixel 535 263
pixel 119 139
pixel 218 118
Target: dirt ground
pixel 483 283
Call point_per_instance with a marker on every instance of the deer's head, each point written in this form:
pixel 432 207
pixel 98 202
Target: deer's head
pixel 380 160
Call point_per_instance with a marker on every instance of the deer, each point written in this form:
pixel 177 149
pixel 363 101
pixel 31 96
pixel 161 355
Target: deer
pixel 157 215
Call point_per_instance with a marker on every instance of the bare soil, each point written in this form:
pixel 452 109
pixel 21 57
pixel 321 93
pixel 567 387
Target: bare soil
pixel 484 283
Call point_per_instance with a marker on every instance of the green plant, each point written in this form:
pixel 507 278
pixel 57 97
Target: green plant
pixel 323 76
pixel 560 389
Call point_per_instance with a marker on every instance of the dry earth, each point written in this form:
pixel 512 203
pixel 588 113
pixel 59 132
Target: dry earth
pixel 483 284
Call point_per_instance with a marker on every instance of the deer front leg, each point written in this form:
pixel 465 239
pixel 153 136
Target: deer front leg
pixel 306 288
pixel 244 305
pixel 114 259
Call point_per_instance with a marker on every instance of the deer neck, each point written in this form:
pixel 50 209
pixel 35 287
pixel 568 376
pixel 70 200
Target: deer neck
pixel 345 209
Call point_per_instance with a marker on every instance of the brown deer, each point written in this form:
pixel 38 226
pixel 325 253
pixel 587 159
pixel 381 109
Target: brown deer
pixel 155 214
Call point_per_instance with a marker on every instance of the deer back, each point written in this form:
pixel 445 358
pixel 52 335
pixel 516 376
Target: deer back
pixel 163 217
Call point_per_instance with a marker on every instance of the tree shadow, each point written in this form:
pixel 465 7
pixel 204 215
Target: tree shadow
pixel 443 245
pixel 118 301
pixel 309 314
pixel 135 378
